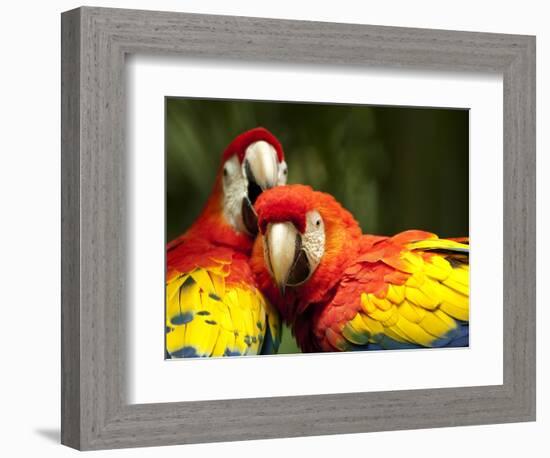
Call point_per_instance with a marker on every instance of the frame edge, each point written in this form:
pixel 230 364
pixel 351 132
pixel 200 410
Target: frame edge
pixel 92 415
pixel 70 228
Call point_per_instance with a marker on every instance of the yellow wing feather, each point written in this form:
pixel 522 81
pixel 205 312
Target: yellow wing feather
pixel 207 317
pixel 427 310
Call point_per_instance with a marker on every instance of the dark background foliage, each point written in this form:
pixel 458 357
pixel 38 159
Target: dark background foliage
pixel 394 168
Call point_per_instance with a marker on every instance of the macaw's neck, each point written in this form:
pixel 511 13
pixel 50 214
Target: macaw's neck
pixel 341 249
pixel 212 226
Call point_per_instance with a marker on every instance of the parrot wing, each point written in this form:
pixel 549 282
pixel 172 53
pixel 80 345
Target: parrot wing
pixel 409 291
pixel 214 308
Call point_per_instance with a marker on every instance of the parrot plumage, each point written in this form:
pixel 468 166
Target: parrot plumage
pixel 341 290
pixel 213 306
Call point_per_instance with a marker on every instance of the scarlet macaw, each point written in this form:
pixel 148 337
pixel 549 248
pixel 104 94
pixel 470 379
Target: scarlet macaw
pixel 340 290
pixel 213 307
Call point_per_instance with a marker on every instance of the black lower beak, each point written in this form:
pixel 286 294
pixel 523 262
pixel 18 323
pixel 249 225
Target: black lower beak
pixel 300 270
pixel 250 219
pixel 254 189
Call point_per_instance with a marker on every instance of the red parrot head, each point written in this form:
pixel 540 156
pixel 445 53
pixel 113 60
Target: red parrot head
pixel 252 163
pixel 308 238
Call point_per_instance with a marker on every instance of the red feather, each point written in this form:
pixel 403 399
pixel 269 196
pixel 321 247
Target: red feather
pixel 239 145
pixel 211 238
pixel 352 264
pixel 284 203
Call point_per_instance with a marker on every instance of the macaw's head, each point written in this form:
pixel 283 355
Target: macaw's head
pixel 308 239
pixel 252 163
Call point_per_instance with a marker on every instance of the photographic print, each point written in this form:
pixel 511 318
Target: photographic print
pixel 308 227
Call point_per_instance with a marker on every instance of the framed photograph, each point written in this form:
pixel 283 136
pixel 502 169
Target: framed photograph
pixel 313 228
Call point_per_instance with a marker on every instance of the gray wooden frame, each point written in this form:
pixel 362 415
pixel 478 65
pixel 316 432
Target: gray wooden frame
pixel 95 41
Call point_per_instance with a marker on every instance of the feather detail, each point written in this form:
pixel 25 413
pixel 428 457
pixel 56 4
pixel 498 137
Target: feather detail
pixel 218 311
pixel 409 298
pixel 367 292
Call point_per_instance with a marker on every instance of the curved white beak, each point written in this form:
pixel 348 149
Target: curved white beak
pixel 281 242
pixel 262 162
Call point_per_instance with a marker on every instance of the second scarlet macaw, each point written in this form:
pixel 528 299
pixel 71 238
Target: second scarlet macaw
pixel 213 307
pixel 341 290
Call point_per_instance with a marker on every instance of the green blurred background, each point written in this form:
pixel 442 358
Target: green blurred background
pixel 394 168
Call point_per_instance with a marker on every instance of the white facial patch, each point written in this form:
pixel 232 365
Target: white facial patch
pixel 263 164
pixel 313 240
pixel 234 191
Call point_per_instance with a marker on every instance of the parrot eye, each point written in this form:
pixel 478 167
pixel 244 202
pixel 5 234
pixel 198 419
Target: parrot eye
pixel 314 221
pixel 225 172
